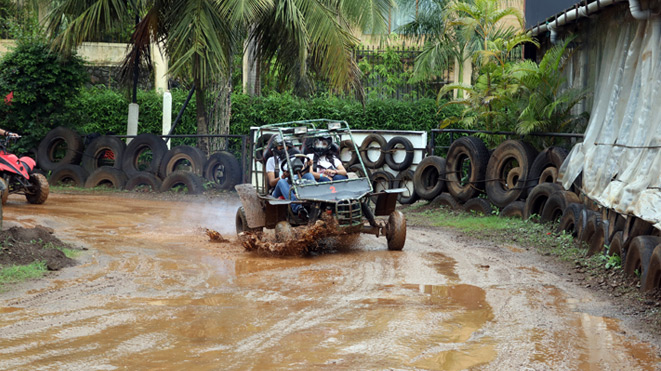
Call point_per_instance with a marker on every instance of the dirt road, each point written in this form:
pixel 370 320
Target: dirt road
pixel 153 293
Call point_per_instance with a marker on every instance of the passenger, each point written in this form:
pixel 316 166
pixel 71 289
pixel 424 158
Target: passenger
pixel 325 165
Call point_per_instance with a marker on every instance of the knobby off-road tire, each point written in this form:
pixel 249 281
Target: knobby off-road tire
pixel 106 176
pixel 368 145
pixel 101 151
pixel 479 206
pixel 38 192
pixel 241 222
pixel 429 177
pixel 405 180
pixel 347 146
pixel 69 175
pixel 639 255
pixel 185 158
pixel 471 155
pixel 140 146
pixel 569 222
pixel 537 199
pixel 500 187
pixel 513 210
pixel 653 278
pixel 144 182
pixel 556 205
pixel 397 144
pixel 179 178
pixel 223 169
pixel 59 139
pixel 445 200
pixel 396 231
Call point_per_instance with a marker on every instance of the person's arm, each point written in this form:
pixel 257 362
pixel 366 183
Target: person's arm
pixel 339 168
pixel 270 172
pixel 7 133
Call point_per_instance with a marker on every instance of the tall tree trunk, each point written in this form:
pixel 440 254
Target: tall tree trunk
pixel 200 109
pixel 221 114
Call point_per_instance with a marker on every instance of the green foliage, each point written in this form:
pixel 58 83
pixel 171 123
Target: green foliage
pixel 613 261
pixel 18 273
pixel 43 83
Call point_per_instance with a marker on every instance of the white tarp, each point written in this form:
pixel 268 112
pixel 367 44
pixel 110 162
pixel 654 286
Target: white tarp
pixel 620 156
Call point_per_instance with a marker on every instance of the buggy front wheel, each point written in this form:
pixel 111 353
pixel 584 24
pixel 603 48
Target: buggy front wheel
pixel 396 231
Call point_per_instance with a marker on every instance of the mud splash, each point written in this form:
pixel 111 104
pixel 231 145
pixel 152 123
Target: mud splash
pixel 215 236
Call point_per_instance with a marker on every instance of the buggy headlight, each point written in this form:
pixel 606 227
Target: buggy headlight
pixel 300 130
pixel 334 125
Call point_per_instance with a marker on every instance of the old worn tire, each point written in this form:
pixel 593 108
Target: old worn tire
pixel 382 180
pixel 185 158
pixel 445 200
pixel 570 219
pixel 471 152
pixel 429 177
pixel 142 144
pixel 639 255
pixel 653 277
pixel 556 205
pixel 106 176
pixel 549 175
pixel 103 151
pixel 513 210
pixel 368 142
pixel 69 175
pixel 405 180
pixel 537 199
pixel 635 226
pixel 396 231
pixel 5 192
pixel 479 206
pixel 59 139
pixel 39 189
pixel 192 182
pixel 143 182
pixel 360 171
pixel 509 155
pixel 223 169
pixel 616 223
pixel 395 145
pixel 597 243
pixel 550 157
pixel 616 246
pixel 347 146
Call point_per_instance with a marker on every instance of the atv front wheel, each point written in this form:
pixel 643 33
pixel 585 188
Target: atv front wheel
pixel 396 231
pixel 241 222
pixel 38 192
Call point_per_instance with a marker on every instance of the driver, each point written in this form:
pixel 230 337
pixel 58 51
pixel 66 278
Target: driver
pixel 326 166
pixel 280 183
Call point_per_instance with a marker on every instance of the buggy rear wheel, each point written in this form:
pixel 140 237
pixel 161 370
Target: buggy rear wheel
pixel 38 192
pixel 396 231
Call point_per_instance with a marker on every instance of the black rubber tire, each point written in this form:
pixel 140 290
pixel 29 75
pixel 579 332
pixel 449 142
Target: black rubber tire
pixel 106 175
pixel 223 169
pixel 144 182
pixel 396 231
pixel 241 223
pixel 639 255
pixel 635 226
pixel 599 238
pixel 570 220
pixel 381 144
pixel 261 146
pixel 193 182
pixel 5 193
pixel 537 199
pixel 137 146
pixel 616 223
pixel 508 155
pixel 513 210
pixel 405 180
pixel 394 145
pixel 473 150
pixel 38 192
pixel 479 206
pixel 360 171
pixel 556 205
pixel 103 149
pixel 616 246
pixel 549 157
pixel 381 178
pixel 429 177
pixel 445 200
pixel 71 175
pixel 653 277
pixel 347 145
pixel 178 156
pixel 51 142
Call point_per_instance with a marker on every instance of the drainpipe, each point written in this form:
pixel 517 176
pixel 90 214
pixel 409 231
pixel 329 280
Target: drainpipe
pixel 641 15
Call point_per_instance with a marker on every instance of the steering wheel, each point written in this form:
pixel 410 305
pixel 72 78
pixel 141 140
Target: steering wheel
pixel 304 166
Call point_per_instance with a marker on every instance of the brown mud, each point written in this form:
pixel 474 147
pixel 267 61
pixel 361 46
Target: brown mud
pixel 22 246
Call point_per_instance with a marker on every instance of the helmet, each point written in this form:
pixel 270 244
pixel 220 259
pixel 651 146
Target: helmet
pixel 276 142
pixel 322 145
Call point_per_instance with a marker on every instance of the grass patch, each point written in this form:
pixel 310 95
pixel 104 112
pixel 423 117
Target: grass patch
pixel 19 273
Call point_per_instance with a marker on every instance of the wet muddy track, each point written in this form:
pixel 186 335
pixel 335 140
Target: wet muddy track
pixel 153 292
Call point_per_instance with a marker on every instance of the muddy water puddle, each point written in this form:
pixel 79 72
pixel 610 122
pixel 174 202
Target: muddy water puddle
pixel 154 292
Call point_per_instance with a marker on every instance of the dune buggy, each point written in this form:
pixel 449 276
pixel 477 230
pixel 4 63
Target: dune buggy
pixel 351 204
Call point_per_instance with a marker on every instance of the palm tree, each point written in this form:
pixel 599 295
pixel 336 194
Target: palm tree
pixel 201 36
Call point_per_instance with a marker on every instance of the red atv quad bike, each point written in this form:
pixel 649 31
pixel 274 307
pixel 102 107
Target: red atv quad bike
pixel 17 176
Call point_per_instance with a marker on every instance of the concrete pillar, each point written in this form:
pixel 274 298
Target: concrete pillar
pixel 132 124
pixel 160 64
pixel 167 115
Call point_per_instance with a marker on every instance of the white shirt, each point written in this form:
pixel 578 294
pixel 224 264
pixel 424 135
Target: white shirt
pixel 324 163
pixel 271 164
